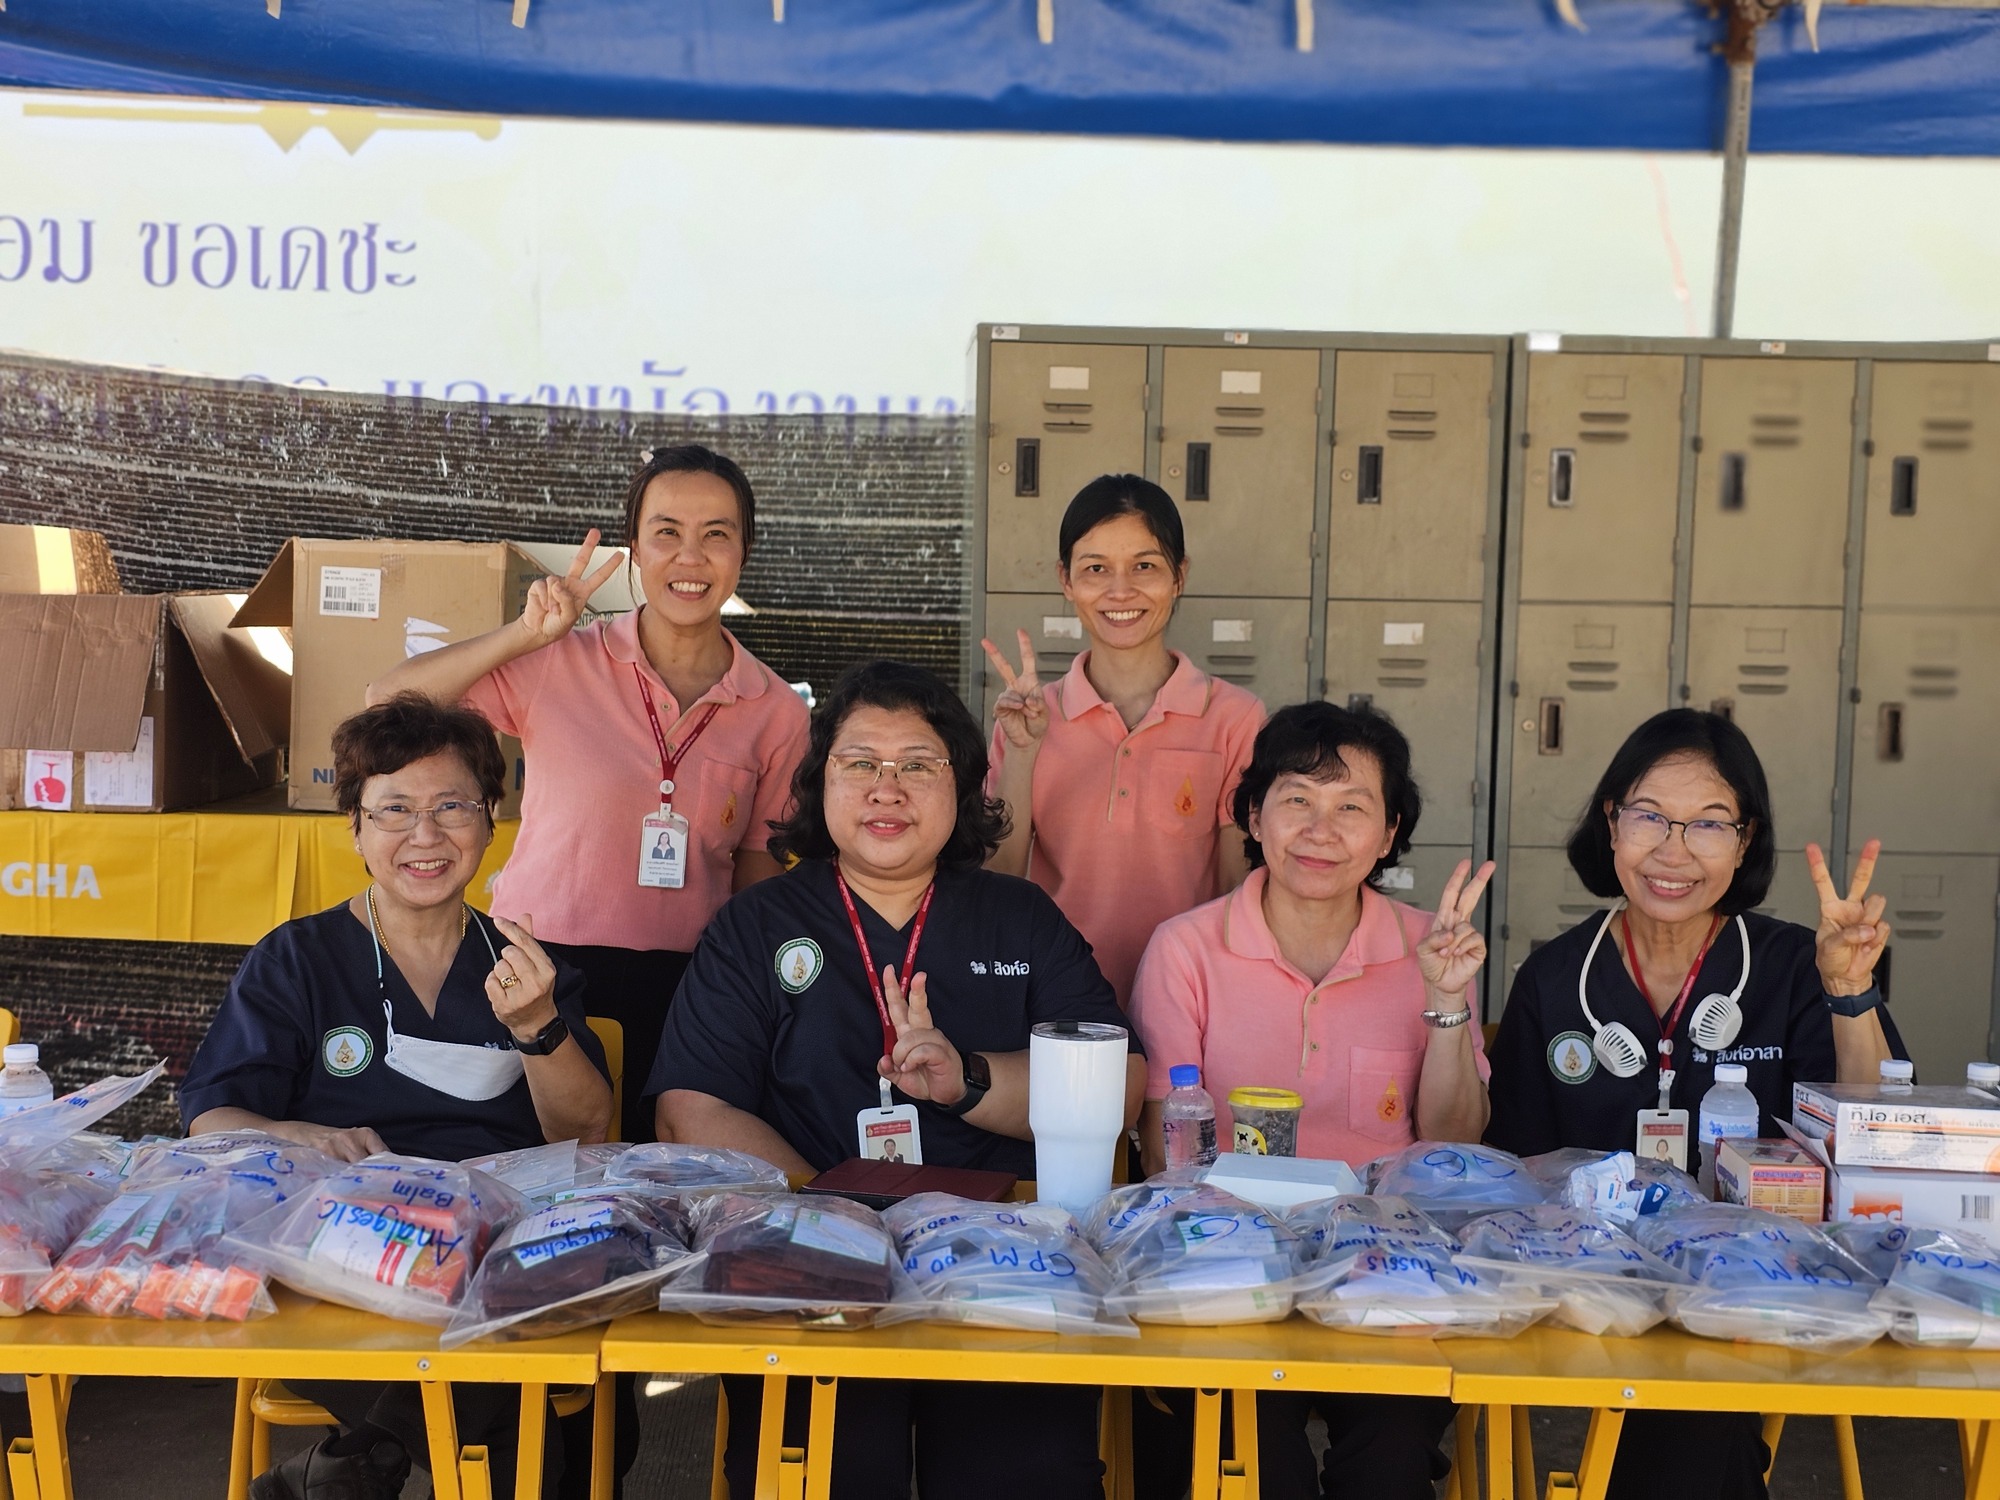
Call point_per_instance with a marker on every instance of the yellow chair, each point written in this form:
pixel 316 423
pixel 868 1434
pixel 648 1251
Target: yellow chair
pixel 264 1404
pixel 10 1027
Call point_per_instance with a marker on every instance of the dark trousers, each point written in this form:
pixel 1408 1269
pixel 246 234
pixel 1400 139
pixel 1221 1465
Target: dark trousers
pixel 487 1414
pixel 633 988
pixel 973 1441
pixel 1670 1455
pixel 1382 1447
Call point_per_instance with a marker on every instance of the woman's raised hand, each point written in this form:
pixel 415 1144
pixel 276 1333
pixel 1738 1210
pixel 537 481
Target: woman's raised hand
pixel 1851 930
pixel 1453 950
pixel 924 1065
pixel 555 602
pixel 1020 711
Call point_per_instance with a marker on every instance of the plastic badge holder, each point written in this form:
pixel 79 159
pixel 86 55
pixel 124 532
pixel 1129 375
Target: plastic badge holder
pixel 40 1213
pixel 1455 1183
pixel 1000 1265
pixel 694 1169
pixel 589 1258
pixel 28 1135
pixel 1763 1278
pixel 395 1235
pixel 1944 1292
pixel 787 1259
pixel 1184 1251
pixel 1380 1265
pixel 1603 1281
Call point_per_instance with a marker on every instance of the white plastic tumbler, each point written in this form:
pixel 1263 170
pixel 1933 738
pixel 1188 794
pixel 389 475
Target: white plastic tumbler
pixel 1076 1107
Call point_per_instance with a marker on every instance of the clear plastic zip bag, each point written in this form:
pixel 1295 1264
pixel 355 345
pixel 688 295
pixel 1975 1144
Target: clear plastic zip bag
pixel 1003 1265
pixel 1185 1252
pixel 1603 1281
pixel 1575 1177
pixel 693 1169
pixel 1878 1243
pixel 41 1212
pixel 1455 1182
pixel 1944 1292
pixel 797 1260
pixel 28 1135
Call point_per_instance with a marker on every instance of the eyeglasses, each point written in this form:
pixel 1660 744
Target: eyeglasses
pixel 915 773
pixel 1706 838
pixel 400 817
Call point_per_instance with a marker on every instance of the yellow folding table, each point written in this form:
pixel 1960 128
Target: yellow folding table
pixel 1292 1355
pixel 307 1340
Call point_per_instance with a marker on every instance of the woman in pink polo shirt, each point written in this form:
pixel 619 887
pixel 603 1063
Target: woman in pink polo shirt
pixel 1118 777
pixel 609 713
pixel 1308 978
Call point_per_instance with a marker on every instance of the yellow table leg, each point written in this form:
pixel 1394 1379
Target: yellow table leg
pixel 1206 1479
pixel 1850 1458
pixel 475 1474
pixel 1114 1441
pixel 1968 1449
pixel 441 1427
pixel 1600 1447
pixel 1464 1479
pixel 1524 1454
pixel 26 1483
pixel 1500 1454
pixel 770 1438
pixel 603 1417
pixel 1774 1428
pixel 534 1430
pixel 240 1428
pixel 819 1438
pixel 1982 1481
pixel 1239 1476
pixel 48 1413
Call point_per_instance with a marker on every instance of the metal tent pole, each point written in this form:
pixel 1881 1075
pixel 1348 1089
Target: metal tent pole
pixel 1741 51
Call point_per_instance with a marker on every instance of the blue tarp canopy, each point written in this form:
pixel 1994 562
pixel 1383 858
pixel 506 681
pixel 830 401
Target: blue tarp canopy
pixel 1888 81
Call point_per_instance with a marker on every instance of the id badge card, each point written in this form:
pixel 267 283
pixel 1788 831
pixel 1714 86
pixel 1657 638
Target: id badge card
pixel 1663 1136
pixel 663 849
pixel 890 1133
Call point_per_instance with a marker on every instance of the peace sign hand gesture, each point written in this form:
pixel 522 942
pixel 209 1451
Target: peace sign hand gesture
pixel 1020 711
pixel 554 603
pixel 924 1065
pixel 1852 933
pixel 1453 950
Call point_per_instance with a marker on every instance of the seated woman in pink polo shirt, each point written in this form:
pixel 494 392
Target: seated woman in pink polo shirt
pixel 1117 778
pixel 1308 978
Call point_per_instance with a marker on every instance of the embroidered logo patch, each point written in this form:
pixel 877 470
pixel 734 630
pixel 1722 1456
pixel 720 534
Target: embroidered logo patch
pixel 1184 799
pixel 1391 1107
pixel 1570 1057
pixel 729 812
pixel 798 964
pixel 346 1051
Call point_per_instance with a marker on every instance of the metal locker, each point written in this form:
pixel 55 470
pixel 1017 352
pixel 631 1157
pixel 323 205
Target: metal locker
pixel 1412 451
pixel 1937 971
pixel 1587 675
pixel 1601 471
pixel 1418 880
pixel 1933 487
pixel 1770 506
pixel 1418 663
pixel 1776 674
pixel 1792 897
pixel 1259 644
pixel 1926 724
pixel 1544 900
pixel 1239 439
pixel 1058 415
pixel 1051 624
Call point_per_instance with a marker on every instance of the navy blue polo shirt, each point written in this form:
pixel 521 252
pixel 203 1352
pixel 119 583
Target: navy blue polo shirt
pixel 1548 1090
pixel 775 1016
pixel 301 1036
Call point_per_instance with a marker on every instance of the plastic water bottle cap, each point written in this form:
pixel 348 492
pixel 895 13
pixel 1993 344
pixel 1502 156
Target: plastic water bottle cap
pixel 1982 1073
pixel 1187 1075
pixel 20 1054
pixel 1731 1073
pixel 1894 1070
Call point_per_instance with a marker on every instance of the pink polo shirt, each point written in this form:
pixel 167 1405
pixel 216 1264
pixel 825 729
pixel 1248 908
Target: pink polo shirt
pixel 593 773
pixel 1214 990
pixel 1126 822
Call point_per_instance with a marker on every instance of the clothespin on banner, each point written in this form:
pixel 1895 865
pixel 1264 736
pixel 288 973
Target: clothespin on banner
pixel 271 7
pixel 1303 10
pixel 520 12
pixel 1567 10
pixel 778 11
pixel 1812 22
pixel 1045 20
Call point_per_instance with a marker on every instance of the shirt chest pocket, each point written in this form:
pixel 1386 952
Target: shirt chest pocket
pixel 1179 790
pixel 721 817
pixel 1382 1091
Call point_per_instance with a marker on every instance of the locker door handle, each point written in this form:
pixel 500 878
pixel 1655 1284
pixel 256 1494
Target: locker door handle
pixel 1903 487
pixel 1889 732
pixel 1734 466
pixel 1197 471
pixel 1027 467
pixel 1562 478
pixel 1549 728
pixel 1356 702
pixel 1368 488
pixel 1723 708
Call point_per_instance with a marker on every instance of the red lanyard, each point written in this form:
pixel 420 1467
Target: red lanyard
pixel 670 760
pixel 1673 1017
pixel 868 959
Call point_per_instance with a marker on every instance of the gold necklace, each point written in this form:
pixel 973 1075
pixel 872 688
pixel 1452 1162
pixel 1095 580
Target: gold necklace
pixel 375 922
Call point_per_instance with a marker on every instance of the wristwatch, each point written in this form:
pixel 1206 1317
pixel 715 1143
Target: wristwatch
pixel 1854 1005
pixel 1444 1020
pixel 546 1040
pixel 978 1079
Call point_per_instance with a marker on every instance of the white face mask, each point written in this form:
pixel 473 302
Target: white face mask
pixel 458 1069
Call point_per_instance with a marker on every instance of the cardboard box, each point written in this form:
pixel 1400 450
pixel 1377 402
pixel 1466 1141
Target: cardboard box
pixel 133 703
pixel 55 560
pixel 356 608
pixel 1904 1195
pixel 1777 1176
pixel 1945 1128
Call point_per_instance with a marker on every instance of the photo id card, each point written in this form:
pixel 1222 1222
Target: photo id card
pixel 1663 1136
pixel 890 1134
pixel 663 848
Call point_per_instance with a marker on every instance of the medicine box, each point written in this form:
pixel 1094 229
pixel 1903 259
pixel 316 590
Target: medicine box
pixel 1281 1182
pixel 1903 1195
pixel 1943 1128
pixel 1777 1176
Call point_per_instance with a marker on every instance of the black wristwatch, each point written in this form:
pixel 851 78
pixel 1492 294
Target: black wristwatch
pixel 546 1040
pixel 1853 1005
pixel 978 1079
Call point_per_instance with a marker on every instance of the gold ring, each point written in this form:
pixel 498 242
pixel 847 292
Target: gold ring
pixel 508 981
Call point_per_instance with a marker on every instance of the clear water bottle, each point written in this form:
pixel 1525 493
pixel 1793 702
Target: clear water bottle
pixel 1728 1110
pixel 24 1084
pixel 1895 1073
pixel 1983 1075
pixel 1187 1120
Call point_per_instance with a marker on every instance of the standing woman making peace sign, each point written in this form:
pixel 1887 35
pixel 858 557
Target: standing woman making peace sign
pixel 607 715
pixel 1118 777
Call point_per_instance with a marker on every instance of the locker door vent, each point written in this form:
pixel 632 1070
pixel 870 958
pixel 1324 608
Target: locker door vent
pixel 1947 434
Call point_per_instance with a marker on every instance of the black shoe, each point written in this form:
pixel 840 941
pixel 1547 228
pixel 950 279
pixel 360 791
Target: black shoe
pixel 318 1474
